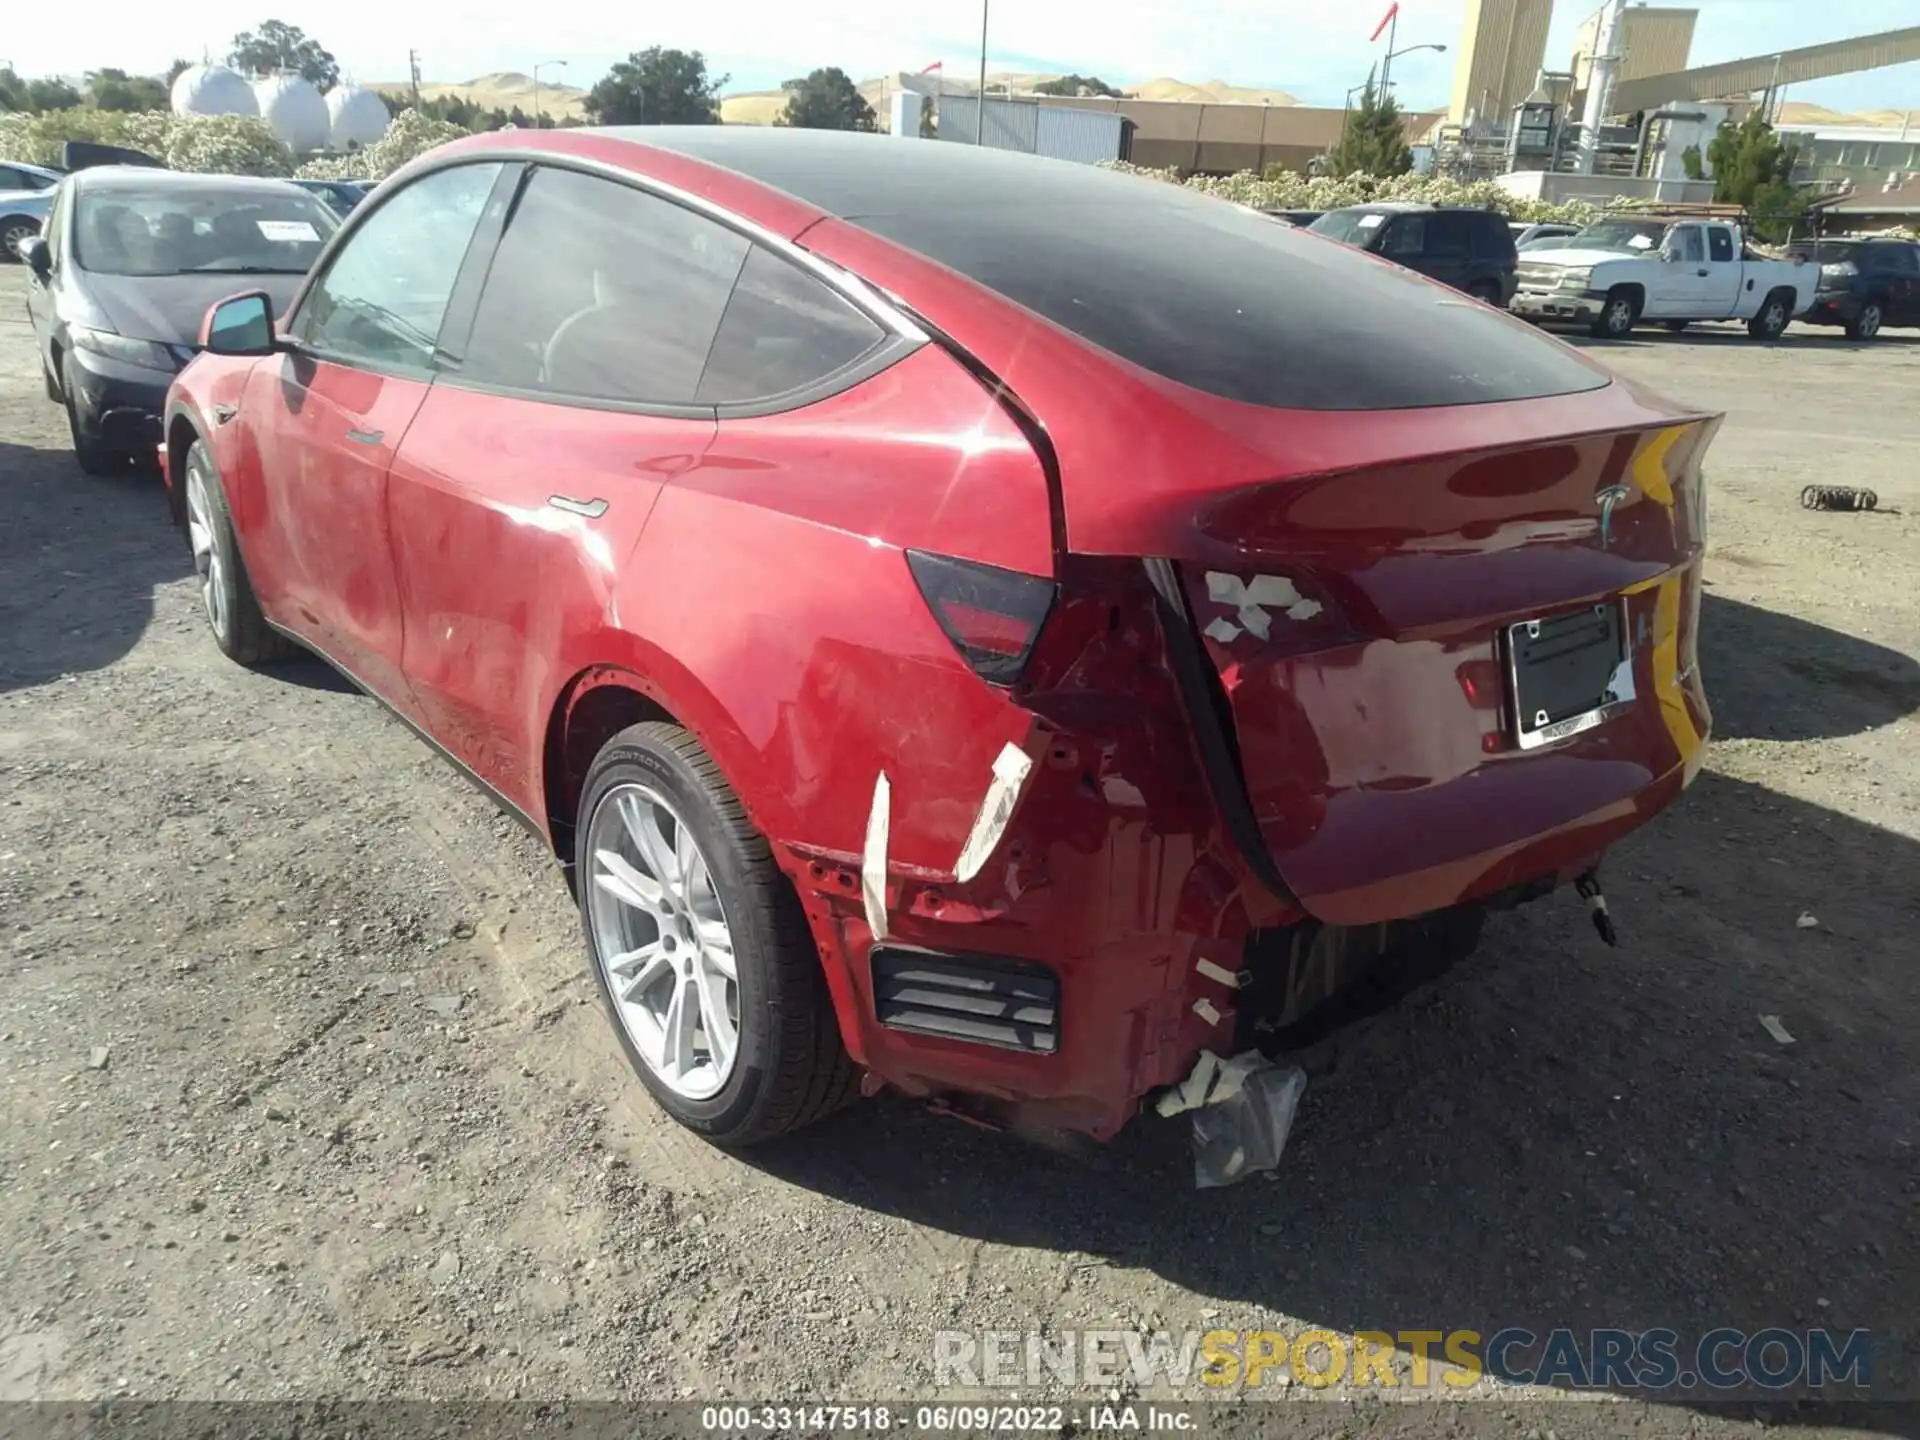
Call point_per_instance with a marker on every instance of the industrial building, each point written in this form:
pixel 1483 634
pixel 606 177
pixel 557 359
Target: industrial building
pixel 1502 45
pixel 1651 40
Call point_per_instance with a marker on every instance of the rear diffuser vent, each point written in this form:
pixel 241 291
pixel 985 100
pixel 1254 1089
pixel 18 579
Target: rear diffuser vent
pixel 1007 1003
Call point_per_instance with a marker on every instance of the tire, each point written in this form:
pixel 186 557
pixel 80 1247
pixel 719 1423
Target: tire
pixel 1866 325
pixel 1770 321
pixel 1616 318
pixel 788 1067
pixel 1487 295
pixel 13 230
pixel 1676 327
pixel 93 454
pixel 226 594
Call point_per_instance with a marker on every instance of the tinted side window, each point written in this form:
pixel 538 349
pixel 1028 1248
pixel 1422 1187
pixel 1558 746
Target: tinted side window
pixel 783 329
pixel 1493 238
pixel 1686 243
pixel 1903 260
pixel 603 292
pixel 12 179
pixel 385 291
pixel 1447 235
pixel 1720 243
pixel 1406 235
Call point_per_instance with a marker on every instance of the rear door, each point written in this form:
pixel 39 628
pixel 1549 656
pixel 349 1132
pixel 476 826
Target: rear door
pixel 1901 266
pixel 1449 247
pixel 529 475
pixel 329 415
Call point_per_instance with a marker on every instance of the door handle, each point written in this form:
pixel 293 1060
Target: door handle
pixel 366 437
pixel 593 509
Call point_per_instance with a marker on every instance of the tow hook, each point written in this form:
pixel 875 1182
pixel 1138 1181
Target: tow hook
pixel 1588 888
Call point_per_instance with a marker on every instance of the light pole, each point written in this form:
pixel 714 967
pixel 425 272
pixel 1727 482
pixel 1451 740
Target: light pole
pixel 980 109
pixel 536 88
pixel 1386 69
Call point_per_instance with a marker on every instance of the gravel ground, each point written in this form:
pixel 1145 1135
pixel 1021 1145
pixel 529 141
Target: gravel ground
pixel 305 1093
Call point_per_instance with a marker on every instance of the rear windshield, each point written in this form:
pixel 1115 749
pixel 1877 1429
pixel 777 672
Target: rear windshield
pixel 1824 252
pixel 176 229
pixel 1224 300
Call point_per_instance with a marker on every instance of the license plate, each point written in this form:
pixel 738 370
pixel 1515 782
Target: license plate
pixel 1568 672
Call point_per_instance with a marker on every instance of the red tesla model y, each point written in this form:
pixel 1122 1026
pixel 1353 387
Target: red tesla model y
pixel 978 624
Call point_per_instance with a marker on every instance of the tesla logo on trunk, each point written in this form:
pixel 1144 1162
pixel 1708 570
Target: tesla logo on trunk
pixel 1608 498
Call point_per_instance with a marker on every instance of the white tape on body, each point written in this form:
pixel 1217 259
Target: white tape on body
pixel 873 860
pixel 1010 771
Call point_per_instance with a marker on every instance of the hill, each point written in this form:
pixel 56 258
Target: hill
pixel 1802 112
pixel 502 90
pixel 759 107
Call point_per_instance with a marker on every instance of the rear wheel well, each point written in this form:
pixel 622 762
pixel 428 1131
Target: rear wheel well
pixel 597 706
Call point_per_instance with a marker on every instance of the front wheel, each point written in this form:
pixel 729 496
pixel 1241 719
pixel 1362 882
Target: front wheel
pixel 90 451
pixel 703 957
pixel 226 594
pixel 1616 317
pixel 1866 324
pixel 1771 320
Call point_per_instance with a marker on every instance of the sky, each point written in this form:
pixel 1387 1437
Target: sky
pixel 1312 49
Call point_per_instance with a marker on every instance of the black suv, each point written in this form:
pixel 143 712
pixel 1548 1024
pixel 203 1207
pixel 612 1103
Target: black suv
pixel 1471 250
pixel 1864 284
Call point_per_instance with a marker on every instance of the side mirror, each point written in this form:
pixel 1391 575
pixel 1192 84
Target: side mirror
pixel 39 259
pixel 239 325
pixel 1672 257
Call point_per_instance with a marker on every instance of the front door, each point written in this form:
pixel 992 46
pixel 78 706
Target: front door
pixel 523 487
pixel 1677 285
pixel 329 416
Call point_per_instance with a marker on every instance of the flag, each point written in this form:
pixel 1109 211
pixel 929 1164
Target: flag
pixel 1385 20
pixel 938 64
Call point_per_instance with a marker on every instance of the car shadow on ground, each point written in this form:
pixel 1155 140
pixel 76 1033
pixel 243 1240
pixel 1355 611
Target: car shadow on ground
pixel 1772 677
pixel 1552 1134
pixel 79 559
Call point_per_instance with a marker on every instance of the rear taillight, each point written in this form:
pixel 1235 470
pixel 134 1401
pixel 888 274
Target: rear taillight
pixel 991 615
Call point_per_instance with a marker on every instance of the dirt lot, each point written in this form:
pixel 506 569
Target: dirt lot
pixel 305 1093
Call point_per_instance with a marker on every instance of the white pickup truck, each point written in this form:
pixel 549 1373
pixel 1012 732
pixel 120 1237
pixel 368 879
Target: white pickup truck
pixel 1621 271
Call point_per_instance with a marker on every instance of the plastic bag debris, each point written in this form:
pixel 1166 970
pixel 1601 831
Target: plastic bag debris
pixel 1242 1111
pixel 1771 1024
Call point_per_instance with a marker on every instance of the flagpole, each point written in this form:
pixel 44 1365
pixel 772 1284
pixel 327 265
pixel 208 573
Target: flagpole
pixel 1386 67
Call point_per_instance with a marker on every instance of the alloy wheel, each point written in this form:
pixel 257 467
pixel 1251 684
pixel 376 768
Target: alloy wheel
pixel 1868 325
pixel 1619 316
pixel 207 563
pixel 661 939
pixel 15 236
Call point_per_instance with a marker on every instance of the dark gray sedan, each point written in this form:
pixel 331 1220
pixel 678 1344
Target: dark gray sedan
pixel 128 263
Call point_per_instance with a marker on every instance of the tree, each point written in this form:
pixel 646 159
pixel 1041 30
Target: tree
pixel 1752 168
pixel 1690 163
pixel 1078 85
pixel 826 100
pixel 1372 142
pixel 657 86
pixel 35 97
pixel 278 46
pixel 110 89
pixel 176 69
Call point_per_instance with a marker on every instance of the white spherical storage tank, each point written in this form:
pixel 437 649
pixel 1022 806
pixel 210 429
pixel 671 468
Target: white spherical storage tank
pixel 359 116
pixel 212 90
pixel 295 111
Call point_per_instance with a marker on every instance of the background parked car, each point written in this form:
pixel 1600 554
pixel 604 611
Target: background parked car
pixel 22 215
pixel 339 196
pixel 1471 250
pixel 130 260
pixel 17 176
pixel 1863 284
pixel 1541 232
pixel 1301 218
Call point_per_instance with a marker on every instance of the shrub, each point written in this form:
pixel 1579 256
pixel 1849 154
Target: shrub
pixel 206 144
pixel 1282 190
pixel 412 133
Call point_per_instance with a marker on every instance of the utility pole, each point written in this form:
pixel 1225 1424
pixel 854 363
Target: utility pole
pixel 980 110
pixel 413 70
pixel 1606 62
